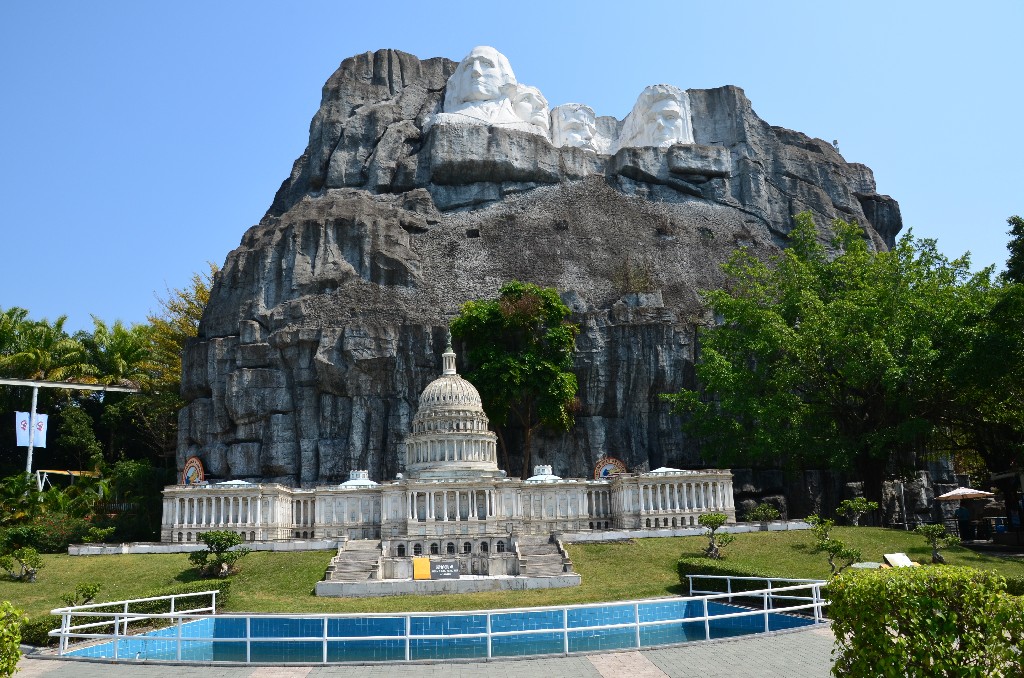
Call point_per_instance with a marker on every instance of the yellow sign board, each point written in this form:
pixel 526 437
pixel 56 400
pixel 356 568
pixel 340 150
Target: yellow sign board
pixel 421 568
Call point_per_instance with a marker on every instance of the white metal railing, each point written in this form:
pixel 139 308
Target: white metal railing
pixel 773 603
pixel 119 620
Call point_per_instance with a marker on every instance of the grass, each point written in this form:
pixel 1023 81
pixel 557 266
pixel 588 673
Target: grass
pixel 642 568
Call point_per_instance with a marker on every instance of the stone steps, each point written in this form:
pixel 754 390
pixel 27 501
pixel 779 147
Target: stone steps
pixel 356 562
pixel 541 558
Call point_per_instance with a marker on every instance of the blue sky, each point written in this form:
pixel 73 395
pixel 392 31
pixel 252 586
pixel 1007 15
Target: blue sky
pixel 139 140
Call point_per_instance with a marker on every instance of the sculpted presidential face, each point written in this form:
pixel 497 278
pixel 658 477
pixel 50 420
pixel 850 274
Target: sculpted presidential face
pixel 574 125
pixel 530 106
pixel 660 118
pixel 483 75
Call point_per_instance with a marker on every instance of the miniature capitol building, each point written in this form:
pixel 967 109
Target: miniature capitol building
pixel 452 499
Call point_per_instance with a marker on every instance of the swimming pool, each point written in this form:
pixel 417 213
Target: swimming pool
pixel 459 635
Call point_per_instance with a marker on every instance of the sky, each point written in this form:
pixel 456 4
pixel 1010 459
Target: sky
pixel 139 140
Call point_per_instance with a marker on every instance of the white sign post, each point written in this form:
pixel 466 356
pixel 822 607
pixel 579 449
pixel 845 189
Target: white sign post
pixel 38 437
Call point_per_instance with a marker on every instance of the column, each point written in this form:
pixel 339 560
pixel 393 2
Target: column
pixel 259 511
pixel 444 498
pixel 458 505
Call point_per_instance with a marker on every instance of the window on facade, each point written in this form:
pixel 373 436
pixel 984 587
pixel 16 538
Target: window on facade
pixel 467 547
pixel 501 546
pixel 417 550
pixel 450 549
pixel 400 551
pixel 435 549
pixel 483 547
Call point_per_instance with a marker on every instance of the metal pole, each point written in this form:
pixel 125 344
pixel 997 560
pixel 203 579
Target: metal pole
pixel 31 431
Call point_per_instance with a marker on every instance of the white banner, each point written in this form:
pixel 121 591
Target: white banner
pixel 22 425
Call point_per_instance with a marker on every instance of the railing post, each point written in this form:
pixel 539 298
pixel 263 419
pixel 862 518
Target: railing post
pixel 636 620
pixel 488 635
pixel 707 622
pixel 248 640
pixel 126 618
pixel 771 602
pixel 213 603
pixel 728 587
pixel 565 631
pixel 65 626
pixel 690 577
pixel 172 603
pixel 408 631
pixel 816 594
pixel 117 628
pixel 325 639
pixel 179 639
pixel 764 599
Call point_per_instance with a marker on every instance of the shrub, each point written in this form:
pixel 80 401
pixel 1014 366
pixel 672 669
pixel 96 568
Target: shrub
pixel 34 631
pixel 50 532
pixel 712 522
pixel 22 564
pixel 926 621
pixel 853 509
pixel 84 594
pixel 935 534
pixel 840 556
pixel 763 513
pixel 10 638
pixel 1015 585
pixel 219 544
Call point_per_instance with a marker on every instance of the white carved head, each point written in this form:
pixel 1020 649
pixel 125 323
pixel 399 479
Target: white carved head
pixel 531 106
pixel 574 125
pixel 483 75
pixel 660 118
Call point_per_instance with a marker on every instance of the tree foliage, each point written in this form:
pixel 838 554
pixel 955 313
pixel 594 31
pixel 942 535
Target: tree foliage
pixel 937 537
pixel 520 351
pixel 712 522
pixel 840 556
pixel 220 555
pixel 834 357
pixel 1015 263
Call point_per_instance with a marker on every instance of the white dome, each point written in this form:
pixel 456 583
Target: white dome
pixel 450 389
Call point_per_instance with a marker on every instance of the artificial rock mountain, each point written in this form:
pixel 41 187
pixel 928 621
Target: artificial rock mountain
pixel 329 319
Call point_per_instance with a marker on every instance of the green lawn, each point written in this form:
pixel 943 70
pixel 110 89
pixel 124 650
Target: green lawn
pixel 643 568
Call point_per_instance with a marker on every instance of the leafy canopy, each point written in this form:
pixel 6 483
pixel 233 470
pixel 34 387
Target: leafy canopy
pixel 520 351
pixel 833 356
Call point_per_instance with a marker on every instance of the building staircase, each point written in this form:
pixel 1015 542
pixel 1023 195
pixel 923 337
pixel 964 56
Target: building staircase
pixel 356 561
pixel 542 557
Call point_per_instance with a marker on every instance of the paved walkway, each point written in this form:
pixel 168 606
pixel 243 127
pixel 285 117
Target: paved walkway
pixel 803 653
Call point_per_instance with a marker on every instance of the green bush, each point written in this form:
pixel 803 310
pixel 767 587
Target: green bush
pixel 10 638
pixel 1015 585
pixel 33 631
pixel 763 513
pixel 50 532
pixel 927 621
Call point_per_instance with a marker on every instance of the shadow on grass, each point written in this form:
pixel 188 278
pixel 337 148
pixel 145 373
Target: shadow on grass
pixel 189 575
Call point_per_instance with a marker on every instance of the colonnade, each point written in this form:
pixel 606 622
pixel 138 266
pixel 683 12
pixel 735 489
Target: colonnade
pixel 685 496
pixel 446 449
pixel 449 505
pixel 214 511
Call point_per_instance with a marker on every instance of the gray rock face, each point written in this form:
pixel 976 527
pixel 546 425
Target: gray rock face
pixel 329 319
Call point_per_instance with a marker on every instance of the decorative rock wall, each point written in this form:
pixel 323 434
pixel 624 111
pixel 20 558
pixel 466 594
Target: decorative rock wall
pixel 327 321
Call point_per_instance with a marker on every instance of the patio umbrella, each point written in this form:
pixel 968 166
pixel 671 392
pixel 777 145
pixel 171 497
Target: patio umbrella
pixel 964 493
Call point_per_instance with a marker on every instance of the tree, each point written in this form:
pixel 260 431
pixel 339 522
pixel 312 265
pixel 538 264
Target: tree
pixel 840 556
pixel 834 358
pixel 1015 263
pixel 853 509
pixel 218 559
pixel 712 522
pixel 521 349
pixel 170 328
pixel 936 534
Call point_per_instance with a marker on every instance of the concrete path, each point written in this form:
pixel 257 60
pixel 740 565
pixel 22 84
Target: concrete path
pixel 802 653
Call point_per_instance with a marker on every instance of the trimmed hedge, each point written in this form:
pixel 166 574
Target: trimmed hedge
pixel 34 631
pixel 926 621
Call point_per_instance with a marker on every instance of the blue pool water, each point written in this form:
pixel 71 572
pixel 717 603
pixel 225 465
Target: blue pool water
pixel 439 636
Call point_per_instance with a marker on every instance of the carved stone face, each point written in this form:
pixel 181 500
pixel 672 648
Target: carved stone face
pixel 531 106
pixel 665 122
pixel 482 76
pixel 575 126
pixel 660 118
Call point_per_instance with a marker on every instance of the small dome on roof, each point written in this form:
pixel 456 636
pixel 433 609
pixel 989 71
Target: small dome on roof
pixel 358 479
